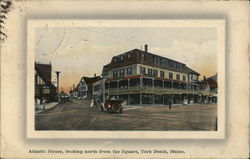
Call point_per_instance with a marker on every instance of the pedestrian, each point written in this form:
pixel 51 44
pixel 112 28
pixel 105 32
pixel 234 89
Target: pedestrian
pixel 37 103
pixel 95 103
pixel 170 104
pixel 92 103
pixel 43 103
pixel 70 99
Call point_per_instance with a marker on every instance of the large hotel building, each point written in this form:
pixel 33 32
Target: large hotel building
pixel 140 77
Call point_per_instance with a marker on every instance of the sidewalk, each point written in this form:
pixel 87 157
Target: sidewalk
pixel 160 105
pixel 47 107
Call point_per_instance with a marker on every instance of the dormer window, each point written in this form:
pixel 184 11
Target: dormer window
pixel 122 58
pixel 115 59
pixel 171 64
pixel 166 62
pixel 161 61
pixel 156 60
pixel 142 56
pixel 177 66
pixel 129 56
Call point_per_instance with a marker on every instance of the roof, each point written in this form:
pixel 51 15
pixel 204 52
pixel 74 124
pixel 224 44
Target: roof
pixel 44 71
pixel 137 56
pixel 211 81
pixel 105 69
pixel 214 77
pixel 189 70
pixel 90 80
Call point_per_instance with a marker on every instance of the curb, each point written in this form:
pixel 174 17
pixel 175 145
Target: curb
pixel 47 109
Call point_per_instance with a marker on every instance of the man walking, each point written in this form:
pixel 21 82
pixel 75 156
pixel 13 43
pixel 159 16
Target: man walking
pixel 170 103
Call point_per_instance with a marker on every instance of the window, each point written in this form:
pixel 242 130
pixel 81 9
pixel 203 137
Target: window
pixel 177 77
pixel 122 58
pixel 115 59
pixel 115 73
pixel 122 72
pixel 166 62
pixel 162 74
pixel 142 56
pixel 195 77
pixel 177 66
pixel 129 56
pixel 184 78
pixel 142 70
pixel 156 60
pixel 171 64
pixel 105 68
pixel 170 75
pixel 161 61
pixel 150 71
pixel 155 73
pixel 182 67
pixel 129 71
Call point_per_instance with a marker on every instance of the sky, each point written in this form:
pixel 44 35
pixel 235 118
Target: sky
pixel 82 51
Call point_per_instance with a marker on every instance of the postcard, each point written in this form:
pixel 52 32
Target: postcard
pixel 97 79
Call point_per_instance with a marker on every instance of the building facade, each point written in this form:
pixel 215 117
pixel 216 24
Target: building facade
pixel 140 77
pixel 85 87
pixel 210 89
pixel 82 88
pixel 44 89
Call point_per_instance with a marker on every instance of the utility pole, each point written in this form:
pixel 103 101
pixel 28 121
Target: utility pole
pixel 103 90
pixel 57 79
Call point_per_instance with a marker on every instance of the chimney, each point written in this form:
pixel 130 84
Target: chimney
pixel 204 77
pixel 146 48
pixel 95 75
pixel 73 86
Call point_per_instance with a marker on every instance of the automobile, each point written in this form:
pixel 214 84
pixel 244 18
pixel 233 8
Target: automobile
pixel 65 98
pixel 112 106
pixel 84 97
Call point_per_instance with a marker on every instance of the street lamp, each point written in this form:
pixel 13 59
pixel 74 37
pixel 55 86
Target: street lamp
pixel 57 79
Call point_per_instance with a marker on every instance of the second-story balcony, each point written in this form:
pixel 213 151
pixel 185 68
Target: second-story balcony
pixel 149 85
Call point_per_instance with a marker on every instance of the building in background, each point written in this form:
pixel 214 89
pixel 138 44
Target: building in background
pixel 98 89
pixel 141 77
pixel 210 89
pixel 85 87
pixel 44 89
pixel 74 92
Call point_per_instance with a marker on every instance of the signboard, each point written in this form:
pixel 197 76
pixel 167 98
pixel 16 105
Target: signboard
pixel 46 91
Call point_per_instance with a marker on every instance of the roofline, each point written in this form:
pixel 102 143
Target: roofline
pixel 148 53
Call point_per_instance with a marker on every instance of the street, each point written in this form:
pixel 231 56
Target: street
pixel 79 116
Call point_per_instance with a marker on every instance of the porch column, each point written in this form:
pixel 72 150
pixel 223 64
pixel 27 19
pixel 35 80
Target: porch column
pixel 108 88
pixel 140 99
pixel 141 83
pixel 163 99
pixel 103 91
pixel 140 87
pixel 163 84
pixel 128 83
pixel 153 83
pixel 128 99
